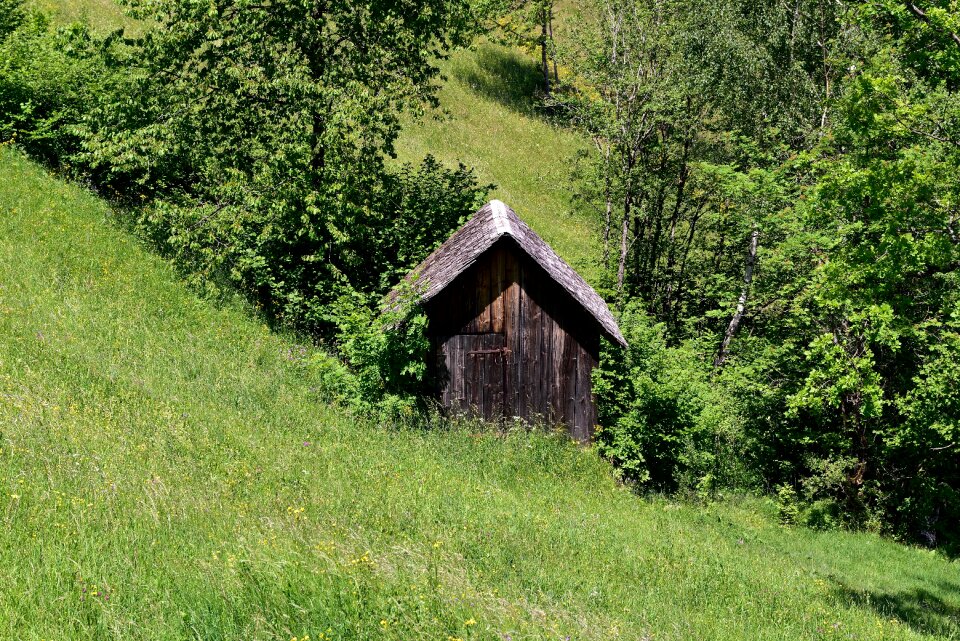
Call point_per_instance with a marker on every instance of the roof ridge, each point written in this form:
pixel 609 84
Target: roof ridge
pixel 501 219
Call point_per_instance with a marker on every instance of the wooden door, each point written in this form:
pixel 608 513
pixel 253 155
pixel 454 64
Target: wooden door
pixel 476 372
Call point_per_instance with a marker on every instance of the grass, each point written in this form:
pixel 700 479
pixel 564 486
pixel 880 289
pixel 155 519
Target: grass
pixel 488 121
pixel 102 15
pixel 167 472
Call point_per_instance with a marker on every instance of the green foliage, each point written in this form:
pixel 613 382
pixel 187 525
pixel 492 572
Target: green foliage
pixel 407 214
pixel 788 505
pixel 259 133
pixel 12 16
pixel 884 299
pixel 305 221
pixel 527 24
pixel 50 78
pixel 692 107
pixel 488 119
pixel 416 209
pixel 387 351
pixel 831 130
pixel 664 422
pixel 256 135
pixel 331 379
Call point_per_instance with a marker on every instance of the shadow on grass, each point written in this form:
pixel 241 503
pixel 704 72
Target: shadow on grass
pixel 503 75
pixel 919 608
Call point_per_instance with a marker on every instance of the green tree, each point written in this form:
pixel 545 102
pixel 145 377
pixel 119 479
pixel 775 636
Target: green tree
pixel 686 103
pixel 264 127
pixel 784 178
pixel 884 299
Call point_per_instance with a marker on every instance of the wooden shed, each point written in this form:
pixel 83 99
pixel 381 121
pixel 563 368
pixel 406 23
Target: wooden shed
pixel 516 330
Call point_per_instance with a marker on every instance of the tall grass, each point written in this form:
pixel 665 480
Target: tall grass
pixel 167 472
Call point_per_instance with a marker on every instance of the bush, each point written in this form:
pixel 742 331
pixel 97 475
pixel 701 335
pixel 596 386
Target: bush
pixel 665 421
pixel 11 16
pixel 387 354
pixel 331 379
pixel 299 275
pixel 260 142
pixel 416 209
pixel 49 81
pixel 788 505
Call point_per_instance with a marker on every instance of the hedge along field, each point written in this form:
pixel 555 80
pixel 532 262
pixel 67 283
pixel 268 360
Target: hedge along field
pixel 167 472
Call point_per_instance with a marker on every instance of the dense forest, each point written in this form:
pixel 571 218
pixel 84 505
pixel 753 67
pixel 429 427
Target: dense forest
pixel 776 187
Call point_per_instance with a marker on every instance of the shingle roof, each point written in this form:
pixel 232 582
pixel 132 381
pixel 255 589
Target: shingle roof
pixel 491 223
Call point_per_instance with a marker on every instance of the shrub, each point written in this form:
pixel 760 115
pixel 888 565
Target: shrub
pixel 11 16
pixel 788 505
pixel 331 379
pixel 50 78
pixel 287 199
pixel 664 420
pixel 386 350
pixel 300 275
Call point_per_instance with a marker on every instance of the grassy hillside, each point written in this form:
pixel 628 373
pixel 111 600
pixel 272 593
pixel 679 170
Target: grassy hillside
pixel 487 121
pixel 102 15
pixel 166 472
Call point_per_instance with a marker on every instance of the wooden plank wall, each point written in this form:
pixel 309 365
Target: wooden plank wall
pixel 506 301
pixel 477 374
pixel 559 348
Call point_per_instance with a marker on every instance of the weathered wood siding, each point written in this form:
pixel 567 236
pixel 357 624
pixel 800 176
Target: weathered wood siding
pixel 511 342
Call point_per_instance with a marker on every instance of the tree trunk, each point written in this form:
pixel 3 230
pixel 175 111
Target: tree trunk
pixel 741 303
pixel 556 75
pixel 679 292
pixel 608 214
pixel 624 245
pixel 543 50
pixel 678 206
pixel 628 164
pixel 650 275
pixel 826 70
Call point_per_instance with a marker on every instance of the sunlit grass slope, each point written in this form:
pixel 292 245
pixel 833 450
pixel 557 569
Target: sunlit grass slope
pixel 488 121
pixel 102 15
pixel 167 473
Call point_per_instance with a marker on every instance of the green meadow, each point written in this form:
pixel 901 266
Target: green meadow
pixel 488 121
pixel 168 472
